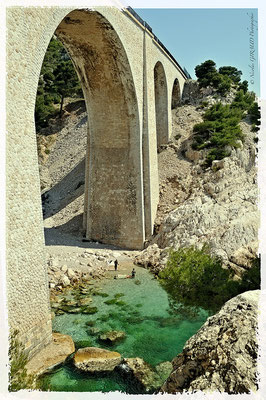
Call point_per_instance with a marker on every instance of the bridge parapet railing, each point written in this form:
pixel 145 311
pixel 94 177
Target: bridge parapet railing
pixel 155 38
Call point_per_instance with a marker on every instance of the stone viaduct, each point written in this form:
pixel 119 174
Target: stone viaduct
pixel 130 83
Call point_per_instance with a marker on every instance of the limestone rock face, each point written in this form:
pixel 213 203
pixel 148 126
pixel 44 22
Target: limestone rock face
pixel 65 281
pixel 149 258
pixel 54 354
pixel 193 94
pixel 146 377
pixel 93 359
pixel 221 209
pixel 222 355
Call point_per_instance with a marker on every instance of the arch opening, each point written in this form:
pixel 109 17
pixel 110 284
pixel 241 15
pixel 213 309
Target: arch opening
pixel 112 191
pixel 161 104
pixel 176 95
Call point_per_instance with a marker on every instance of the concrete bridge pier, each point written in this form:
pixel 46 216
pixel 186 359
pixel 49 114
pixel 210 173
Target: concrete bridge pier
pixel 113 209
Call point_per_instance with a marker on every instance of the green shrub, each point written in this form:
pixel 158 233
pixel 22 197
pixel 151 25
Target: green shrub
pixel 101 294
pixel 18 377
pixel 195 279
pixel 243 101
pixel 204 72
pixel 216 154
pixel 254 115
pixel 243 86
pixel 224 86
pixel 251 278
pixel 254 128
pixel 231 72
pixel 222 80
pixel 120 303
pixel 219 130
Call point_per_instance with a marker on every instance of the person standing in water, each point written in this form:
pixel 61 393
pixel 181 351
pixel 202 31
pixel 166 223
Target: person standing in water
pixel 133 273
pixel 116 264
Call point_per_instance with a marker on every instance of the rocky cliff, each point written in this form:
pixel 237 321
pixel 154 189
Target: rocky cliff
pixel 215 205
pixel 222 356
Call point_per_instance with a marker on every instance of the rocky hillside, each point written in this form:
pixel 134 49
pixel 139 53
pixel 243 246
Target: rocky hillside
pixel 62 168
pixel 217 205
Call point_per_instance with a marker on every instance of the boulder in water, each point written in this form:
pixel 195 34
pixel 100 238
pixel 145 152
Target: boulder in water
pixel 93 359
pixel 143 375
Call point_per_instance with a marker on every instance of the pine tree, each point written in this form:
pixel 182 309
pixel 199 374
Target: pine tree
pixel 58 79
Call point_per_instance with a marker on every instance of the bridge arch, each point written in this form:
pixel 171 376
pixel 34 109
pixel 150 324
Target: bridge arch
pixel 176 94
pixel 113 199
pixel 114 156
pixel 161 104
pixel 132 54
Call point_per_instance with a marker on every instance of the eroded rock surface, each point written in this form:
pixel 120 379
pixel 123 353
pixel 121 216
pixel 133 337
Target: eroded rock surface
pixel 215 205
pixel 146 377
pixel 150 258
pixel 93 359
pixel 222 355
pixel 53 354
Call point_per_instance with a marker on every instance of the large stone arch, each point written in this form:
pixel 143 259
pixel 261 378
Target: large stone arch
pixel 161 104
pixel 128 151
pixel 113 192
pixel 29 33
pixel 176 94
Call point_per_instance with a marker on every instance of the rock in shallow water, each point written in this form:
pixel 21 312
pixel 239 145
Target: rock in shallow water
pixel 222 355
pixel 112 336
pixel 93 359
pixel 148 378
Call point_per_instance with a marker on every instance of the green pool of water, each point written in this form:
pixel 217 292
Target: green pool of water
pixel 142 311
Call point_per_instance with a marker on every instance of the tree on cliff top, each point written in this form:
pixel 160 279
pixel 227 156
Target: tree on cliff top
pixel 222 79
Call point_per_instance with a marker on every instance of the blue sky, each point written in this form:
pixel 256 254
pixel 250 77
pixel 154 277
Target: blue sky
pixel 226 36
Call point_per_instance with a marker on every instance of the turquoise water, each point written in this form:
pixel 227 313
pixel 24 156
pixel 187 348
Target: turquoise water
pixel 142 311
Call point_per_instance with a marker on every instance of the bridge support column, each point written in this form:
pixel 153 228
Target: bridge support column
pixel 150 159
pixel 114 209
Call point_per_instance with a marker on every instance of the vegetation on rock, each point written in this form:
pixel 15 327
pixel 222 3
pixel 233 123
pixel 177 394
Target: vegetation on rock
pixel 222 80
pixel 220 130
pixel 18 376
pixel 57 81
pixel 195 279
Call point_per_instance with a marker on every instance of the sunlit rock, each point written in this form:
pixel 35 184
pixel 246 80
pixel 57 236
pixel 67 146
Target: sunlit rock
pixel 93 359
